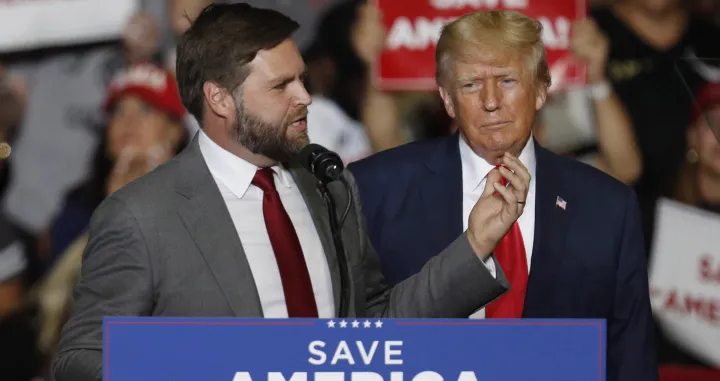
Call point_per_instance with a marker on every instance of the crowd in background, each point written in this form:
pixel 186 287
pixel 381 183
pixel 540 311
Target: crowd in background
pixel 81 127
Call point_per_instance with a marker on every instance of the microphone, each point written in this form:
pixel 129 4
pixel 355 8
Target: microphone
pixel 325 165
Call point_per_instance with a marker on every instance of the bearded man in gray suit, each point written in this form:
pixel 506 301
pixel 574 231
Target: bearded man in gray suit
pixel 227 228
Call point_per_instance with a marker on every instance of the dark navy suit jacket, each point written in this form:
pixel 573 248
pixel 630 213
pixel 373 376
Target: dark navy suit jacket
pixel 588 260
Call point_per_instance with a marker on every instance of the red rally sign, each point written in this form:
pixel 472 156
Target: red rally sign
pixel 414 26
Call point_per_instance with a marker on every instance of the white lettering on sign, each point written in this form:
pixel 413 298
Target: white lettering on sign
pixel 423 33
pixel 477 4
pixel 427 375
pixel 344 351
pixel 556 34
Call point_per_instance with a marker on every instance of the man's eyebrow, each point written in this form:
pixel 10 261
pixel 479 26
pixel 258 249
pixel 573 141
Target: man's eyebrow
pixel 288 78
pixel 282 80
pixel 493 73
pixel 469 77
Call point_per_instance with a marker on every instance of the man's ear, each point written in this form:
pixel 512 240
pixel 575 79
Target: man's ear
pixel 219 100
pixel 541 96
pixel 447 101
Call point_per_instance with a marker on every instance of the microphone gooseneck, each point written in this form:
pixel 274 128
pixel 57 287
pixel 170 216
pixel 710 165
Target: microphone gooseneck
pixel 327 166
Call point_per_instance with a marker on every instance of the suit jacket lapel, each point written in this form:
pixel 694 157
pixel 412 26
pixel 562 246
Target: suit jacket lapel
pixel 308 188
pixel 551 227
pixel 205 215
pixel 442 194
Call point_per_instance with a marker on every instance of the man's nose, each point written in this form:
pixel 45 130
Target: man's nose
pixel 301 95
pixel 491 97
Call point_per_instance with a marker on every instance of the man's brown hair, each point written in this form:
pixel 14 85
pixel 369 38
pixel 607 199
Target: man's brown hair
pixel 219 45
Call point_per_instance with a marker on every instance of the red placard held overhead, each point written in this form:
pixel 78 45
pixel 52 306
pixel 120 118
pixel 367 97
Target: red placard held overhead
pixel 408 61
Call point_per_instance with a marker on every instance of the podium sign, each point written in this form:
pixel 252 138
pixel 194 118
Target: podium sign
pixel 180 349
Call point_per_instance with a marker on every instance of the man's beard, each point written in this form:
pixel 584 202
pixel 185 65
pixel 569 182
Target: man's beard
pixel 267 139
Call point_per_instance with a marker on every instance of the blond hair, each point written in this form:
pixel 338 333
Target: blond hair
pixel 507 30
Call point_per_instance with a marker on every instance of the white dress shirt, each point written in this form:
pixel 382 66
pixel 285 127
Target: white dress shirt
pixel 474 171
pixel 233 176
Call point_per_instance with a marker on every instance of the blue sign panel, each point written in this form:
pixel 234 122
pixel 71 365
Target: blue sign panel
pixel 191 349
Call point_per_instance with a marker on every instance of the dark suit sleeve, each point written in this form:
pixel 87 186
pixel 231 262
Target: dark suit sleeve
pixel 631 343
pixel 453 284
pixel 115 280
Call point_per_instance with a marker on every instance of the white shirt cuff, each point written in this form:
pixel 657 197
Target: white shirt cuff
pixel 491 266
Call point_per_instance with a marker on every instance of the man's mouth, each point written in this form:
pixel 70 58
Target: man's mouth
pixel 496 124
pixel 300 123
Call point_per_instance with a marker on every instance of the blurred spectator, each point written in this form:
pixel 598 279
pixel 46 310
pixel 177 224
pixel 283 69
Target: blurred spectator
pixel 349 114
pixel 12 105
pixel 19 358
pixel 653 47
pixel 699 182
pixel 698 186
pixel 144 129
pixel 59 127
pixel 617 151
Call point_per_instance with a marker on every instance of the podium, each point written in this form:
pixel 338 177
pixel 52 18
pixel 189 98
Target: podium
pixel 229 349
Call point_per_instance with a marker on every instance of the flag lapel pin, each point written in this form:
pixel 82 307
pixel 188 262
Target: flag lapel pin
pixel 560 203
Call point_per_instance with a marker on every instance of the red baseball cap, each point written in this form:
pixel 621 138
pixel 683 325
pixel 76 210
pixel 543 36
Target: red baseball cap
pixel 154 85
pixel 706 98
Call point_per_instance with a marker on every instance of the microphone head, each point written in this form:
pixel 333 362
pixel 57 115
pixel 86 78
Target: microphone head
pixel 308 153
pixel 324 164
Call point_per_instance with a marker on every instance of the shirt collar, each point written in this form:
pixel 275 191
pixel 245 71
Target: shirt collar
pixel 475 168
pixel 236 173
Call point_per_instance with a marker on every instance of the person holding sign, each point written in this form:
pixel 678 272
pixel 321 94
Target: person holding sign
pixel 231 228
pixel 577 251
pixel 699 189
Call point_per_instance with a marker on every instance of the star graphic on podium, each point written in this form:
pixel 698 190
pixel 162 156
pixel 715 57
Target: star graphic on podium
pixel 378 324
pixel 367 324
pixel 331 324
pixel 343 324
pixel 355 324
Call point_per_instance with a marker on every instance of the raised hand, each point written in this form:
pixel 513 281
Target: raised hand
pixel 499 206
pixel 133 163
pixel 141 38
pixel 368 33
pixel 589 44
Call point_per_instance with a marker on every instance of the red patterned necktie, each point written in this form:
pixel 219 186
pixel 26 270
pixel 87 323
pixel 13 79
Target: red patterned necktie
pixel 510 254
pixel 299 297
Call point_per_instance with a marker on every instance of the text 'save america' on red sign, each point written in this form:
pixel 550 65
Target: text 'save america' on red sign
pixel 408 61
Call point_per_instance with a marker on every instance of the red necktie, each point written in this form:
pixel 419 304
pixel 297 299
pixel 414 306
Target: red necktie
pixel 299 297
pixel 510 254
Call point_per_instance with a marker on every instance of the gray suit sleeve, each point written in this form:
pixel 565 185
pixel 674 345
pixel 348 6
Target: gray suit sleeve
pixel 453 284
pixel 115 280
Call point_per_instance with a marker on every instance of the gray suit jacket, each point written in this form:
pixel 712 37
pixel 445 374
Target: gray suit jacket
pixel 165 245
